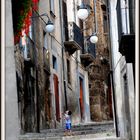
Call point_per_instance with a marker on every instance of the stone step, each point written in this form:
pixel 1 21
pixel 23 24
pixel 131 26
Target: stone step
pixel 94 124
pixel 74 133
pixel 102 136
pixel 80 132
pixel 84 131
pixel 91 126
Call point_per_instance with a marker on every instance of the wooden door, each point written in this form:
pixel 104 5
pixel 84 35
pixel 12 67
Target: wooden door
pixel 81 99
pixel 56 90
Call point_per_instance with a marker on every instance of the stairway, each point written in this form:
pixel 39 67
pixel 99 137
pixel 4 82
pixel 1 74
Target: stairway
pixel 89 131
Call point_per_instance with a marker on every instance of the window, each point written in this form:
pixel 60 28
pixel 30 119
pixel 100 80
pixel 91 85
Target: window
pixel 31 32
pixel 45 40
pixel 52 10
pixel 68 72
pixel 105 19
pixel 54 63
pixel 23 44
pixel 105 25
pixel 65 21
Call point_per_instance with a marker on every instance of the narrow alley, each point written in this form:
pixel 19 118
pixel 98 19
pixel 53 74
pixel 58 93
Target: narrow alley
pixel 70 66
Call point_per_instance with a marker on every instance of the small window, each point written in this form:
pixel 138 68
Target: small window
pixel 68 72
pixel 54 63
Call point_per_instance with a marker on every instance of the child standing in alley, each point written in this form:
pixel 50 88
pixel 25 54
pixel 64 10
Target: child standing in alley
pixel 67 117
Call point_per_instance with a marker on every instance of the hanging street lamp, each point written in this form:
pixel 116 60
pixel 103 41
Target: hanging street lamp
pixel 83 14
pixel 93 38
pixel 49 27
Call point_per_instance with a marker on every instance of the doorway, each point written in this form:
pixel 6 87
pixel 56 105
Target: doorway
pixel 56 92
pixel 81 99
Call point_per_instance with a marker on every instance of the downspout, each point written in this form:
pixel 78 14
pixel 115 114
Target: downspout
pixel 63 50
pixel 131 16
pixel 112 79
pixel 114 100
pixel 126 20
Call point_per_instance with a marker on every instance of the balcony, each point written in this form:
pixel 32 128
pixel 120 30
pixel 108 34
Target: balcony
pixel 74 40
pixel 88 54
pixel 127 47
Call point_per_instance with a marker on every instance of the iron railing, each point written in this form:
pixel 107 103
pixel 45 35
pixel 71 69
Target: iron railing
pixel 75 34
pixel 90 48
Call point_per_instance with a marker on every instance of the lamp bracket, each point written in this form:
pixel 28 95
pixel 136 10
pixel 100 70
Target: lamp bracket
pixel 89 8
pixel 45 14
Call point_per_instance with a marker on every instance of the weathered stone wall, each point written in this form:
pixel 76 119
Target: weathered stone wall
pixel 98 71
pixel 32 101
pixel 42 76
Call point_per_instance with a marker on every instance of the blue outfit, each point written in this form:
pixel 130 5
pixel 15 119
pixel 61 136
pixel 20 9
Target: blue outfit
pixel 67 122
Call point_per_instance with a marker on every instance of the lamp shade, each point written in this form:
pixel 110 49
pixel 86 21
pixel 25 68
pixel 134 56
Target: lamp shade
pixel 82 12
pixel 49 27
pixel 93 39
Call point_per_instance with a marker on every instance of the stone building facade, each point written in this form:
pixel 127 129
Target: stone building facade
pixel 122 24
pixel 55 73
pixel 99 70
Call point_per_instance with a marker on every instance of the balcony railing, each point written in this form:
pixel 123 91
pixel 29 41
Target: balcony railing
pixel 75 38
pixel 88 54
pixel 127 47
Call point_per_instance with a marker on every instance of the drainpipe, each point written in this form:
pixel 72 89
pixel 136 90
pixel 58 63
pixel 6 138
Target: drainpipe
pixel 112 80
pixel 63 50
pixel 131 15
pixel 114 102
